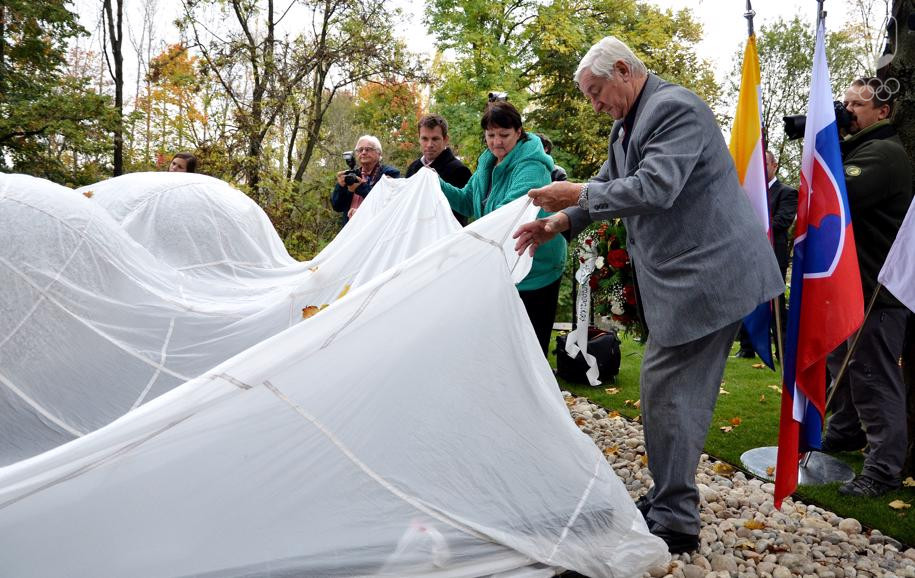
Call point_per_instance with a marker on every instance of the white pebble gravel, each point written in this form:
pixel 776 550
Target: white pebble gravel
pixel 742 534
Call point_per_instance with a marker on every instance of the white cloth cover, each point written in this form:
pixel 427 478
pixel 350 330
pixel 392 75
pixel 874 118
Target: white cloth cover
pixel 92 324
pixel 411 428
pixel 898 271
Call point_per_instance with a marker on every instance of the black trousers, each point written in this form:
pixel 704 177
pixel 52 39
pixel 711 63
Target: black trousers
pixel 872 394
pixel 540 305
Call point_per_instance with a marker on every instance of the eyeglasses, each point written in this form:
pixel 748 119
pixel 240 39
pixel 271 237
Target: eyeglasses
pixel 365 150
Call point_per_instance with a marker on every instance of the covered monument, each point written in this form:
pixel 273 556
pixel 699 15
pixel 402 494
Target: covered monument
pixel 410 428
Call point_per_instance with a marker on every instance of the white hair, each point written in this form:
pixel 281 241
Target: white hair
pixel 375 142
pixel 601 58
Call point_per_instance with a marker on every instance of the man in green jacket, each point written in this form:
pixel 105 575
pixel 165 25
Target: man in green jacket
pixel 869 406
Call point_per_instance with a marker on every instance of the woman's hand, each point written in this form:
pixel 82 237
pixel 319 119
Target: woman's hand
pixel 538 232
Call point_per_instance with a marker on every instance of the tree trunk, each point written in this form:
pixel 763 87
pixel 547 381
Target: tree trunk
pixel 116 34
pixel 902 68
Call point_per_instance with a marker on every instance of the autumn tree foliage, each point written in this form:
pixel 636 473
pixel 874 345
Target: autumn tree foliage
pixel 52 123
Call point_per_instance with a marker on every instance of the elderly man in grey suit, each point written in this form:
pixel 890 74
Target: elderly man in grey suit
pixel 701 259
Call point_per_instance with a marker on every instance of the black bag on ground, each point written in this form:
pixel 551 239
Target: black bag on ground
pixel 605 347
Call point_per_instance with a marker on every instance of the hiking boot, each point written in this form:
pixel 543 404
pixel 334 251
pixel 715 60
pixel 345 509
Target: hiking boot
pixel 865 487
pixel 677 542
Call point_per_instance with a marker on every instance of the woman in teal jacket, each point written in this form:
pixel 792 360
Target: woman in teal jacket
pixel 513 164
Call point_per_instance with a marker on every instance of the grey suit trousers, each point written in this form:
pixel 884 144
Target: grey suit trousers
pixel 679 388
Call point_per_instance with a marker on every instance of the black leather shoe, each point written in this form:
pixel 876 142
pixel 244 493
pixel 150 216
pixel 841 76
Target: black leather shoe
pixel 643 506
pixel 677 542
pixel 745 354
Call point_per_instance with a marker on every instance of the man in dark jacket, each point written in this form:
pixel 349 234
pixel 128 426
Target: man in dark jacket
pixel 869 406
pixel 433 139
pixel 345 198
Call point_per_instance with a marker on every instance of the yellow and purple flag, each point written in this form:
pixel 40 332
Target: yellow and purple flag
pixel 748 149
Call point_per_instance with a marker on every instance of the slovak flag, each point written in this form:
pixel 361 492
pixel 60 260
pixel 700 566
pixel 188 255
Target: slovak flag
pixel 826 303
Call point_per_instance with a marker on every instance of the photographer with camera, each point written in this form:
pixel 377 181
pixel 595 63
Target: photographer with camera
pixel 353 185
pixel 869 406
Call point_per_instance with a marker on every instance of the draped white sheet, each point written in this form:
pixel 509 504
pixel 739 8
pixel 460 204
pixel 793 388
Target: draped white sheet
pixel 410 428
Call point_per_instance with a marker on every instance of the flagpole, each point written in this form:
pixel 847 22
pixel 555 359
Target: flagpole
pixel 749 14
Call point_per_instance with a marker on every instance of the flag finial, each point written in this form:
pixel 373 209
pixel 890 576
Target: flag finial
pixel 749 14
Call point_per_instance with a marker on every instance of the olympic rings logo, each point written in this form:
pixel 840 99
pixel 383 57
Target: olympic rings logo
pixel 875 88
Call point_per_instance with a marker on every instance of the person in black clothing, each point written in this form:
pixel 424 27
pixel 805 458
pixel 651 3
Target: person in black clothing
pixel 869 405
pixel 782 212
pixel 437 155
pixel 558 173
pixel 346 199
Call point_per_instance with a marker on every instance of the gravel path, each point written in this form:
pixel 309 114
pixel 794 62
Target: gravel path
pixel 742 533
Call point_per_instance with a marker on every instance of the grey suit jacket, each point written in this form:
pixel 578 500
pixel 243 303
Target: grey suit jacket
pixel 700 254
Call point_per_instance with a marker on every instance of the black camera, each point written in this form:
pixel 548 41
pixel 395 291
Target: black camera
pixel 352 176
pixel 498 96
pixel 795 123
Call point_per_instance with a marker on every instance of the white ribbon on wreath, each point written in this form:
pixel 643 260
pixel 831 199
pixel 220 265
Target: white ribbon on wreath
pixel 577 340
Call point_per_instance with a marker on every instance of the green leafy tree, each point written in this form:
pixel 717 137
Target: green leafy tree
pixel 531 49
pixel 51 123
pixel 663 39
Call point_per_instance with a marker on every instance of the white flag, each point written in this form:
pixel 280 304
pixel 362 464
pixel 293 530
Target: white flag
pixel 898 272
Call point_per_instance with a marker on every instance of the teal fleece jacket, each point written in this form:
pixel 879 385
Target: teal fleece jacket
pixel 526 167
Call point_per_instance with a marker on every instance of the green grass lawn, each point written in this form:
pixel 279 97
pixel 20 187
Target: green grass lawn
pixel 749 406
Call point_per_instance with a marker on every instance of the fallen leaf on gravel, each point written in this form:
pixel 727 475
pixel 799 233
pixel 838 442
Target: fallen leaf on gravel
pixel 754 524
pixel 899 505
pixel 580 421
pixel 770 471
pixel 723 469
pixel 726 428
pixel 644 459
pixel 637 419
pixel 735 421
pixel 613 414
pixel 611 450
pixel 746 545
pixel 758 365
pixel 909 482
pixel 612 390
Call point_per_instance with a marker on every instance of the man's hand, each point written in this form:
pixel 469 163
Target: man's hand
pixel 556 196
pixel 538 232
